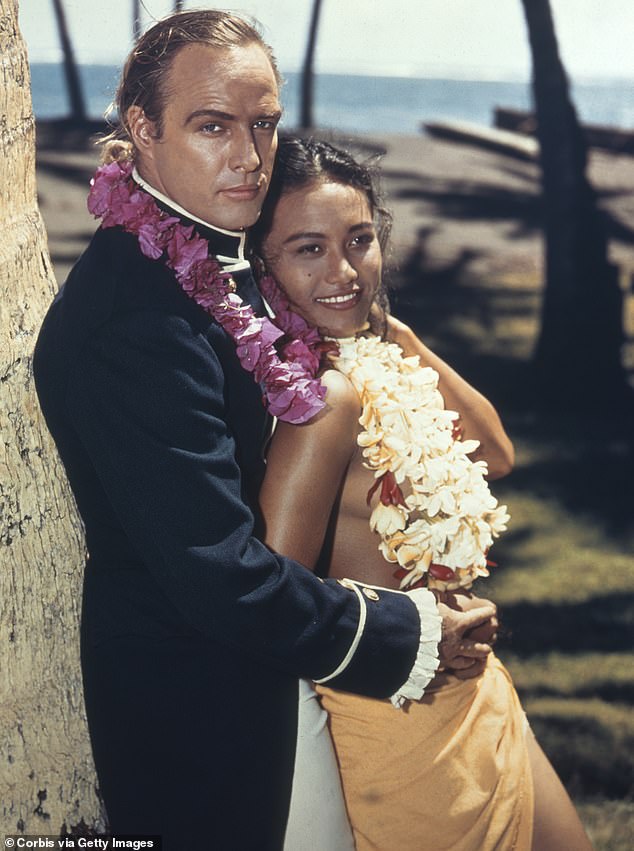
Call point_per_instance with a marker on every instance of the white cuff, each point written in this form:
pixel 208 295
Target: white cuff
pixel 427 661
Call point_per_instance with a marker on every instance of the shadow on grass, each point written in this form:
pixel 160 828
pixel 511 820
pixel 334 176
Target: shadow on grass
pixel 589 480
pixel 610 692
pixel 590 757
pixel 458 322
pixel 605 623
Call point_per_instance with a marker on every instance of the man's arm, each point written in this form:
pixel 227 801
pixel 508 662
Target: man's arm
pixel 146 399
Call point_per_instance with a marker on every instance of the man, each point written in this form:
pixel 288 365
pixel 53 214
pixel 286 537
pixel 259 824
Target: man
pixel 193 633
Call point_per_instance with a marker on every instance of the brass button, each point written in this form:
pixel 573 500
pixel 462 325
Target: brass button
pixel 370 593
pixel 346 583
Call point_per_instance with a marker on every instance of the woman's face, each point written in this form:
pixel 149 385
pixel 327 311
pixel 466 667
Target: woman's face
pixel 323 251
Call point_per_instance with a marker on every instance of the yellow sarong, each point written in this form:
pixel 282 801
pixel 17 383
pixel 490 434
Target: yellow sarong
pixel 448 772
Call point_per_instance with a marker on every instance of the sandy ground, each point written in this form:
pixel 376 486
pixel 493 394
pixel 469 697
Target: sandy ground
pixel 466 229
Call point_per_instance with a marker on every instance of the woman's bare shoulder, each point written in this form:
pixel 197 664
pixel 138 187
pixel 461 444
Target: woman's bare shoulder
pixel 341 396
pixel 399 332
pixel 335 427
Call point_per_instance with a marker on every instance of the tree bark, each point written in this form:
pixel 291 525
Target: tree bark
pixel 46 773
pixel 578 355
pixel 73 82
pixel 307 119
pixel 136 19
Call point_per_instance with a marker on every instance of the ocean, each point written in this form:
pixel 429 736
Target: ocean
pixel 367 104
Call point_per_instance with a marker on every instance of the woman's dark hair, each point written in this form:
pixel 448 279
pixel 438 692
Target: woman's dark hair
pixel 143 81
pixel 303 162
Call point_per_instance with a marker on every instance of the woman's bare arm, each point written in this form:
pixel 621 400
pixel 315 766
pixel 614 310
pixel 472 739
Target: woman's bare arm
pixel 306 465
pixel 478 417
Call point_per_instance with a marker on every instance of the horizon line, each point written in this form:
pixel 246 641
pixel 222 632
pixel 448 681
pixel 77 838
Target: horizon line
pixel 457 75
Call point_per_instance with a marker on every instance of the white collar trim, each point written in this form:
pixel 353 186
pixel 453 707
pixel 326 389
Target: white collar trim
pixel 230 263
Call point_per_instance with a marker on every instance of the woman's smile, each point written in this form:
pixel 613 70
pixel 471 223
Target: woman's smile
pixel 341 302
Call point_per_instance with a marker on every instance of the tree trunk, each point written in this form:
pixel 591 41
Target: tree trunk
pixel 578 356
pixel 308 76
pixel 73 83
pixel 136 19
pixel 46 773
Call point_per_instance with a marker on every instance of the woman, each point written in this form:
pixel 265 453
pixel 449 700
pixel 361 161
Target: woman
pixel 459 769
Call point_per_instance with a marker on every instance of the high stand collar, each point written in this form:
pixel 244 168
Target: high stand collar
pixel 227 246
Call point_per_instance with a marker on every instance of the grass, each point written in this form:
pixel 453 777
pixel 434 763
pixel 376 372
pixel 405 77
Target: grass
pixel 610 824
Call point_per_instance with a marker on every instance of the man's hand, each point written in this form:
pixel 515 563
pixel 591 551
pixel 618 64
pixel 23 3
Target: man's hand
pixel 469 627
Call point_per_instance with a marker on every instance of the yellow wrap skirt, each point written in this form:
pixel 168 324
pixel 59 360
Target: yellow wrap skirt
pixel 448 772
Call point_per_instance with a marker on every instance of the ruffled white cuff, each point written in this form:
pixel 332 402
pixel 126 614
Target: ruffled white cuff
pixel 427 661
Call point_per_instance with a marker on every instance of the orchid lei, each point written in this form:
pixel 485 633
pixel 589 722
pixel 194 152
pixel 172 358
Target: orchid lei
pixel 440 530
pixel 292 391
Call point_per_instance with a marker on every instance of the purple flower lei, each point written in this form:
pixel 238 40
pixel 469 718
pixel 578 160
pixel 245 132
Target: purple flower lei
pixel 292 391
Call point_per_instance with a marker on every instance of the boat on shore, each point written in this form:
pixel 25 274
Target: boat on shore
pixel 514 132
pixel 521 121
pixel 506 142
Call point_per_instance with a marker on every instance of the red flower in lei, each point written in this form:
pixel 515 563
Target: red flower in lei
pixel 292 391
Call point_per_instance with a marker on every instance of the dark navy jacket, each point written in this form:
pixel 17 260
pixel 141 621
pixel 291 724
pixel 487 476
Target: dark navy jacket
pixel 193 632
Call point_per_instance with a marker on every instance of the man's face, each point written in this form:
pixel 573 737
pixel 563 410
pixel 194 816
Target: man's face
pixel 216 152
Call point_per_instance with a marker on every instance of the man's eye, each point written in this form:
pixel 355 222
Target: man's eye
pixel 265 124
pixel 211 128
pixel 309 249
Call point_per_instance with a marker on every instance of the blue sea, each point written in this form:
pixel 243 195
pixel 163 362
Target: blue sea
pixel 367 104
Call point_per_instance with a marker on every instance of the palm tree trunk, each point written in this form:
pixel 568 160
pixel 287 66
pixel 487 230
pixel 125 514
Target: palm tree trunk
pixel 136 19
pixel 73 82
pixel 306 117
pixel 46 772
pixel 578 355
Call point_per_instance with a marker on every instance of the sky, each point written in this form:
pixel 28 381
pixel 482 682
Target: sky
pixel 460 39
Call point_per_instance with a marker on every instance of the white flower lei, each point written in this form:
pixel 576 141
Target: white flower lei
pixel 440 531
